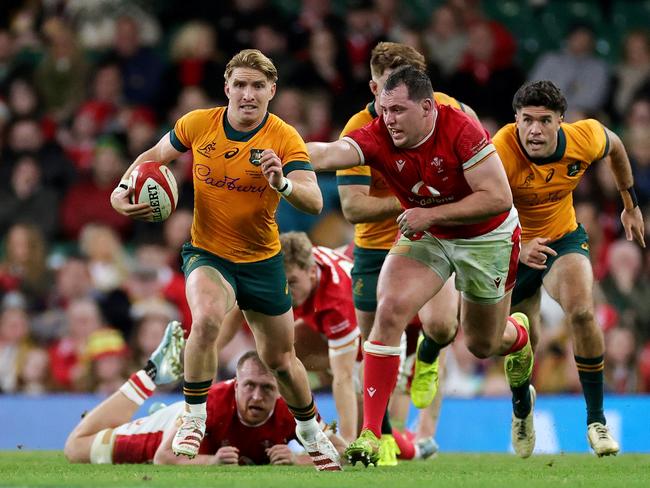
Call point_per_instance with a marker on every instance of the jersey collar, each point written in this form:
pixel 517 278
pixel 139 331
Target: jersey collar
pixel 556 156
pixel 371 109
pixel 238 136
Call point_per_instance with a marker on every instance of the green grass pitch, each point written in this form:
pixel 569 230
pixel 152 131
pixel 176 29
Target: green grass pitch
pixel 49 468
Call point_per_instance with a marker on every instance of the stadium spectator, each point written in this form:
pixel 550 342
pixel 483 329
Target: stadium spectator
pixel 625 289
pixel 631 72
pixel 221 272
pixel 545 159
pixel 445 40
pixel 62 74
pixel 25 136
pixel 195 62
pixel 620 373
pixel 577 71
pixel 88 201
pixel 67 355
pixel 28 201
pixel 34 377
pixel 108 261
pixel 23 268
pixel 141 67
pixel 248 423
pixel 105 362
pixel 486 79
pixel 14 345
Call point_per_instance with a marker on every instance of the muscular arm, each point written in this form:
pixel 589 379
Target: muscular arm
pixel 619 163
pixel 326 156
pixel 162 152
pixel 165 455
pixel 306 194
pixel 359 207
pixel 491 196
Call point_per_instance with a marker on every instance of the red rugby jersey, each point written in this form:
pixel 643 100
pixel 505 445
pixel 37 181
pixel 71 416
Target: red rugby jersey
pixel 330 309
pixel 432 173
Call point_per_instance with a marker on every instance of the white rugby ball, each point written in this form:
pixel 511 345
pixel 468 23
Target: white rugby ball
pixel 155 184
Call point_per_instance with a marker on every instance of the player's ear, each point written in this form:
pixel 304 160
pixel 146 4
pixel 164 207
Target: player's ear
pixel 427 105
pixel 374 87
pixel 273 88
pixel 226 89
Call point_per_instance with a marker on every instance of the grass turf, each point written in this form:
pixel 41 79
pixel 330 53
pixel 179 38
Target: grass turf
pixel 49 468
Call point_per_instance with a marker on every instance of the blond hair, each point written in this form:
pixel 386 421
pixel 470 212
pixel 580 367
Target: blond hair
pixel 297 250
pixel 391 55
pixel 253 59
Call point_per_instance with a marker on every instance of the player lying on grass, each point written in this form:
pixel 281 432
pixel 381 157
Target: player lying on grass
pixel 247 422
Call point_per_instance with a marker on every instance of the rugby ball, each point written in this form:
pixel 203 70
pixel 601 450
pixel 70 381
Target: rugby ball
pixel 154 183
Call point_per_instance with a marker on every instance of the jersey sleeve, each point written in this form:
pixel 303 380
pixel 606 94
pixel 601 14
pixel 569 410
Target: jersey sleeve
pixel 185 131
pixel 444 99
pixel 592 139
pixel 359 175
pixel 366 141
pixel 472 145
pixel 294 152
pixel 502 143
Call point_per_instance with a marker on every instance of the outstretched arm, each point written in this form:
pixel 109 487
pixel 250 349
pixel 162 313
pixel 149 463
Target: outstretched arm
pixel 619 163
pixel 359 207
pixel 335 155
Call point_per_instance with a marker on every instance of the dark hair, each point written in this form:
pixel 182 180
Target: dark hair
pixel 251 356
pixel 541 93
pixel 417 82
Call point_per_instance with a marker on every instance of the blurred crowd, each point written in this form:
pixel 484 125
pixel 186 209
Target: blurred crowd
pixel 86 85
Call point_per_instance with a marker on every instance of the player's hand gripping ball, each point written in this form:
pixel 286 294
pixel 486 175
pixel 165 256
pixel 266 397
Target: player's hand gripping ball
pixel 154 183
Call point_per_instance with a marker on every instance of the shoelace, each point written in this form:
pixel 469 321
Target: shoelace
pixel 602 432
pixel 191 423
pixel 521 430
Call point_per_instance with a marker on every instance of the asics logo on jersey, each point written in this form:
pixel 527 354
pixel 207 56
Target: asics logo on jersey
pixel 549 176
pixel 400 164
pixel 424 191
pixel 207 149
pixel 371 391
pixel 203 173
pixel 231 154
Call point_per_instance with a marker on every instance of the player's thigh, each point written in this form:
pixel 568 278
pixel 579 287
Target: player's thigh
pixel 570 282
pixel 441 311
pixel 262 287
pixel 210 285
pixel 412 274
pixel 274 335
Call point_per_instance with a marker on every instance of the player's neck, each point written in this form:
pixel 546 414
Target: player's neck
pixel 244 126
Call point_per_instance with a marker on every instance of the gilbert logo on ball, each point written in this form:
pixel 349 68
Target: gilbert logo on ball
pixel 154 183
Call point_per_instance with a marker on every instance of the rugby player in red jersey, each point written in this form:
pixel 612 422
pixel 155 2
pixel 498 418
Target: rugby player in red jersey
pixel 459 217
pixel 247 422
